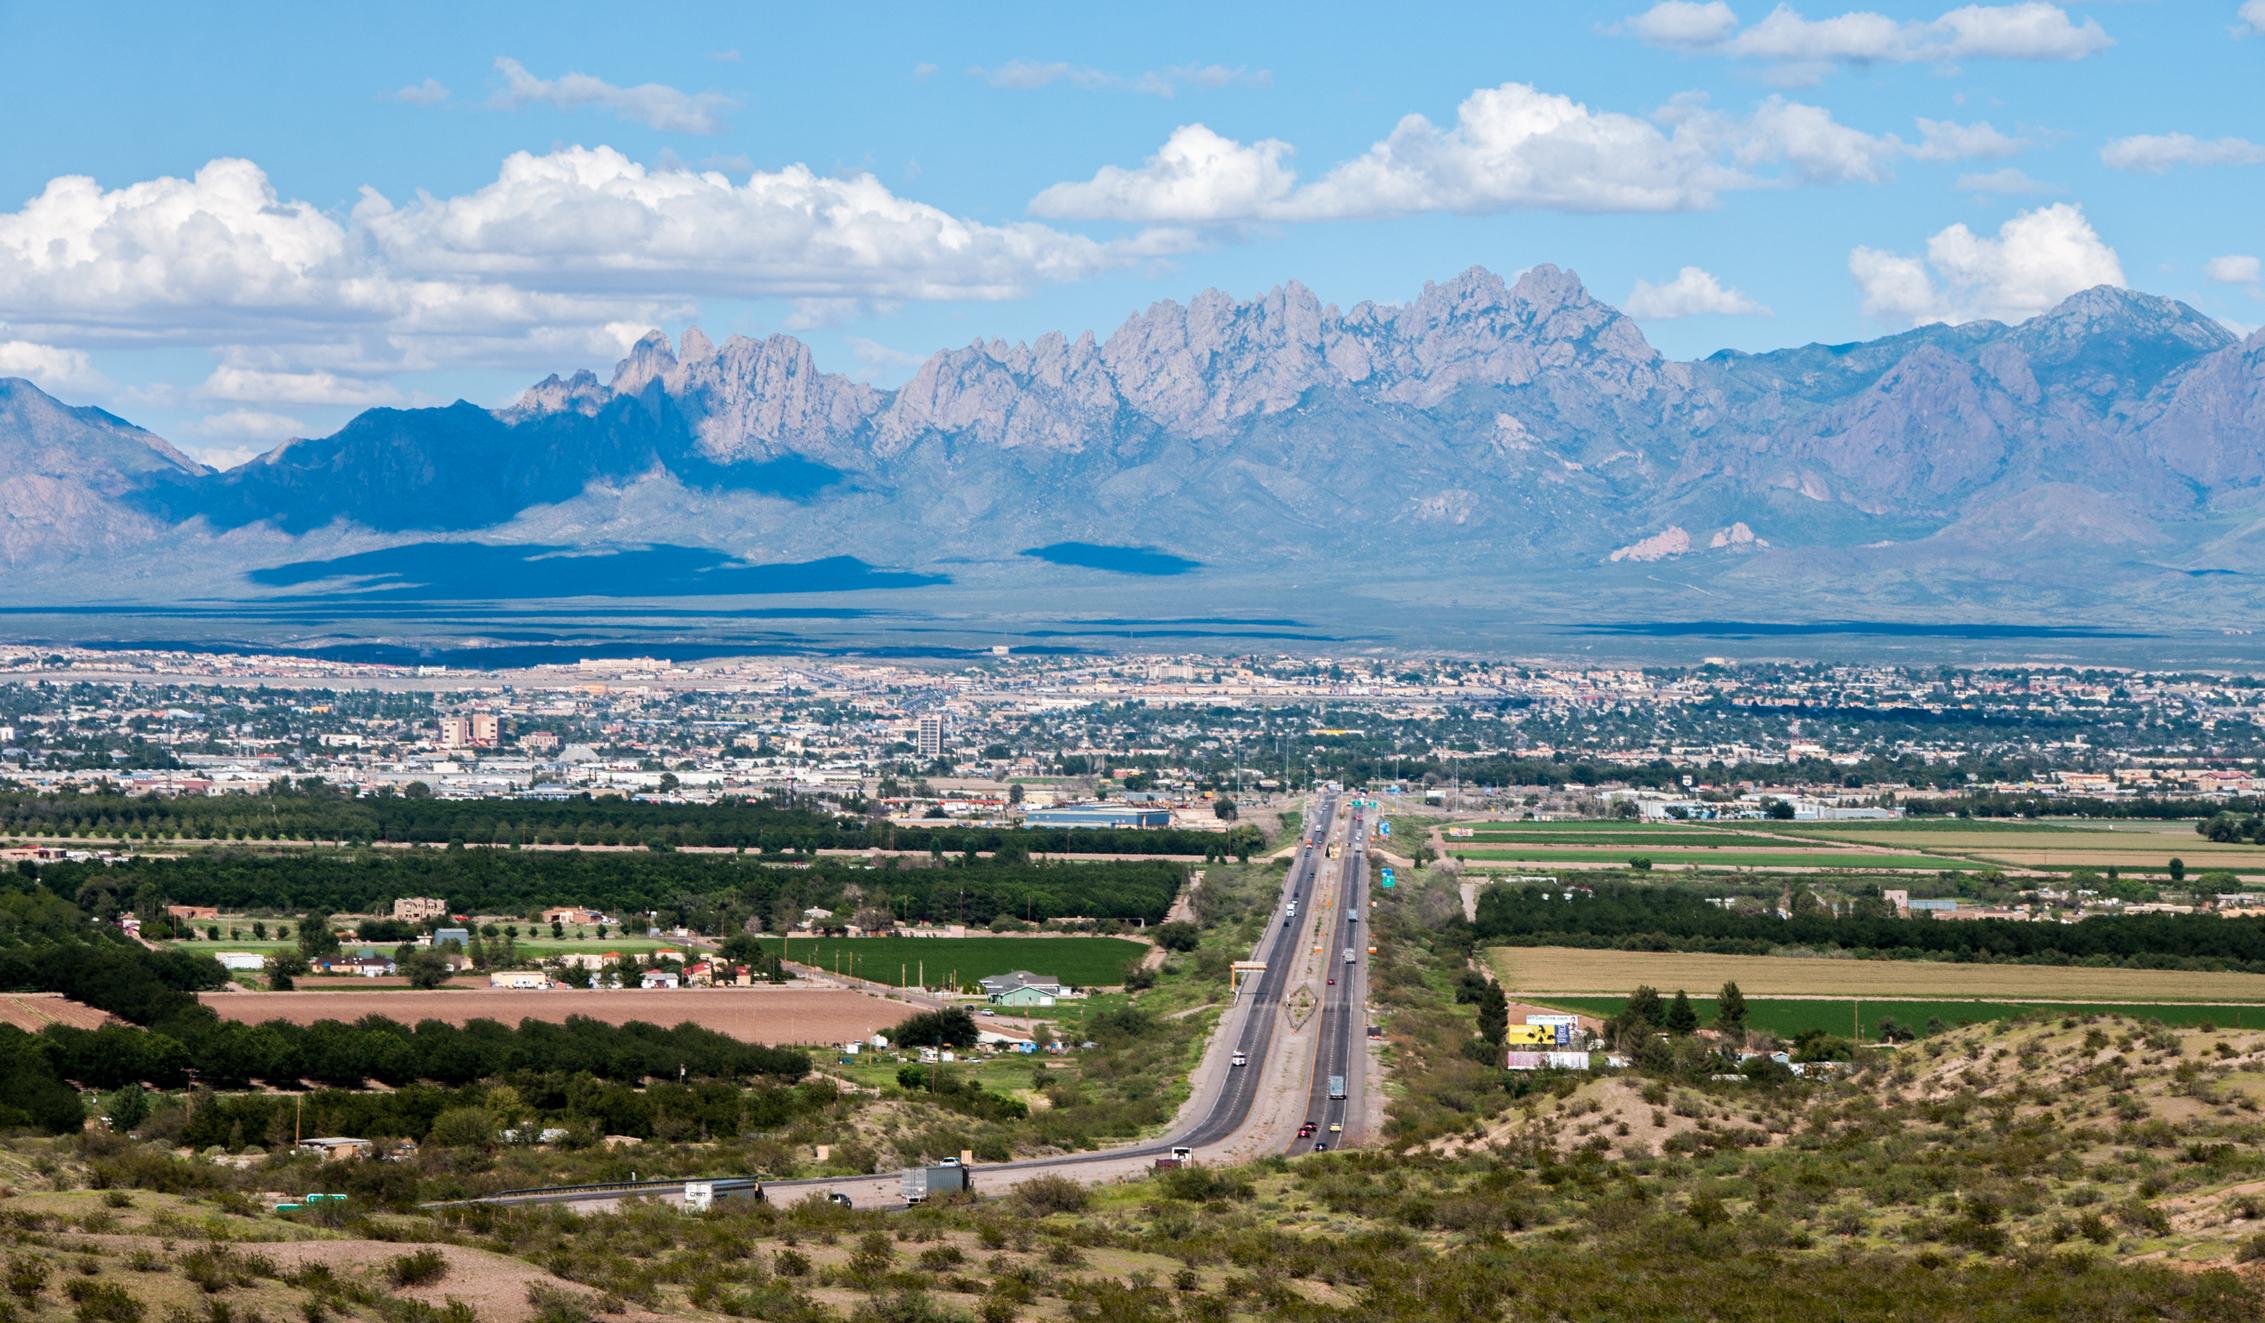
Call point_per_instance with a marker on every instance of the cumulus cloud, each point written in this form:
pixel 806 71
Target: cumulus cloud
pixel 2006 182
pixel 1818 147
pixel 1197 175
pixel 2030 31
pixel 1694 292
pixel 2154 153
pixel 549 261
pixel 50 368
pixel 2036 259
pixel 2235 268
pixel 430 92
pixel 587 221
pixel 654 105
pixel 2253 15
pixel 232 381
pixel 1030 75
pixel 1512 147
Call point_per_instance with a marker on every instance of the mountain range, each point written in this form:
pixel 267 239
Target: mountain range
pixel 1505 435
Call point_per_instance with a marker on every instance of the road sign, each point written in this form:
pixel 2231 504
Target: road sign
pixel 1388 879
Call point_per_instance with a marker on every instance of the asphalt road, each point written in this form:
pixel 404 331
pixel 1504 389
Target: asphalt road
pixel 1341 1041
pixel 1233 1112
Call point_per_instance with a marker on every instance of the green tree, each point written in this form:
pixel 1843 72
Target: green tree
pixel 426 968
pixel 1644 1006
pixel 2178 869
pixel 1682 1017
pixel 316 940
pixel 1730 1012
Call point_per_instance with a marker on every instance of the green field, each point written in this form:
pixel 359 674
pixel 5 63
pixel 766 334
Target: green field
pixel 1787 1018
pixel 1727 858
pixel 1625 836
pixel 1081 962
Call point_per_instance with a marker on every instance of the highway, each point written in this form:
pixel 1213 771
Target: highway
pixel 1340 1043
pixel 1222 1112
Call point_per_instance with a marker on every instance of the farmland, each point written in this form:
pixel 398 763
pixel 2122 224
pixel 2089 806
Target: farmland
pixel 1673 856
pixel 1684 845
pixel 771 1016
pixel 1902 845
pixel 1555 972
pixel 1790 1017
pixel 1082 962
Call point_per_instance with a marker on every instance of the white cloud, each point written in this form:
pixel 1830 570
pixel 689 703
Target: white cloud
pixel 654 105
pixel 255 425
pixel 2253 14
pixel 2037 259
pixel 1683 23
pixel 1511 147
pixel 430 92
pixel 2028 31
pixel 1030 75
pixel 1516 147
pixel 1820 148
pixel 1694 292
pixel 234 382
pixel 1944 140
pixel 1197 175
pixel 2235 268
pixel 2006 182
pixel 590 221
pixel 563 258
pixel 924 69
pixel 2154 153
pixel 50 368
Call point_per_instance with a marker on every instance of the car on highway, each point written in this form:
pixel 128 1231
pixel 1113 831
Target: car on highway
pixel 1320 1147
pixel 1333 980
pixel 1306 1131
pixel 1239 1059
pixel 1336 1128
pixel 838 1199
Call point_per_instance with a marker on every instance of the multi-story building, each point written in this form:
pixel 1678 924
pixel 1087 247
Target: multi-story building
pixel 456 732
pixel 417 909
pixel 487 730
pixel 931 742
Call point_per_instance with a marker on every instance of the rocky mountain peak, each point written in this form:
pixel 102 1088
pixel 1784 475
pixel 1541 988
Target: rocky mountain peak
pixel 649 360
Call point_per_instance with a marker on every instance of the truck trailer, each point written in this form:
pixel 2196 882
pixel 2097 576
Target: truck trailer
pixel 946 1177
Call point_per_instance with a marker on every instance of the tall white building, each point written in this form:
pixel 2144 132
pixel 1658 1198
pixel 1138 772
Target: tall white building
pixel 931 741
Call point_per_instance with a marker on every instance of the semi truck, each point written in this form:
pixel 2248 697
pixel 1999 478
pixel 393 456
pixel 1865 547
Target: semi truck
pixel 1336 1086
pixel 1181 1156
pixel 946 1177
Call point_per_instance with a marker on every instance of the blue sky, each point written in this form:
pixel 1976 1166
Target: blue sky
pixel 239 224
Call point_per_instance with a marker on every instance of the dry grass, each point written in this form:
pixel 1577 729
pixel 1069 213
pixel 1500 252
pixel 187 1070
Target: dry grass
pixel 1544 971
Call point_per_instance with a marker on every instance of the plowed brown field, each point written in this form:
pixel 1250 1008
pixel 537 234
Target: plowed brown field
pixel 753 1015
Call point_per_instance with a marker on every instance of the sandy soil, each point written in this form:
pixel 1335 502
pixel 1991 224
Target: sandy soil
pixel 493 1285
pixel 753 1015
pixel 34 1011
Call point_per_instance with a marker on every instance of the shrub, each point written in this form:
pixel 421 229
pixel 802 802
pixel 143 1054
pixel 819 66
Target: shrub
pixel 421 1268
pixel 1042 1195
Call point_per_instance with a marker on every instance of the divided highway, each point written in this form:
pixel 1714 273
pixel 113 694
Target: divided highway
pixel 1224 1105
pixel 1335 1095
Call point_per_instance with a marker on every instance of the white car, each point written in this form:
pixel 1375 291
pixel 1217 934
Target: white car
pixel 1239 1059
